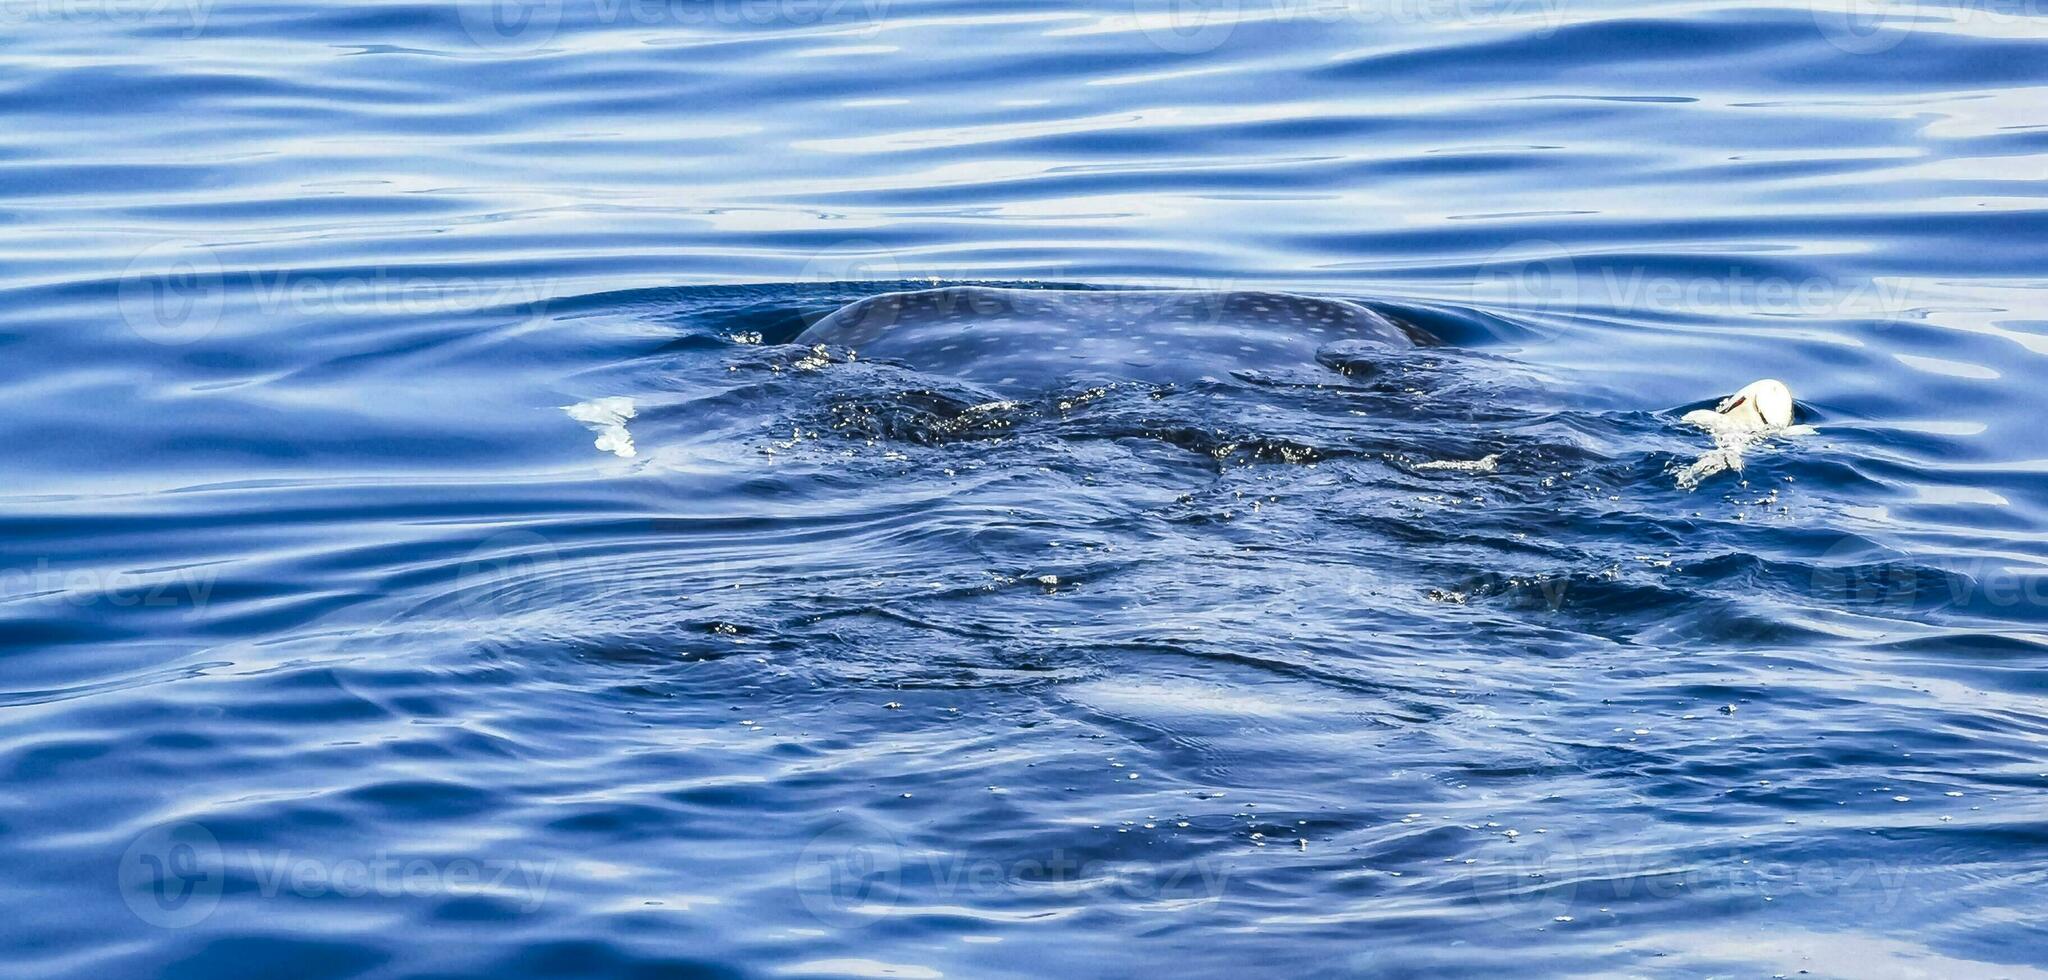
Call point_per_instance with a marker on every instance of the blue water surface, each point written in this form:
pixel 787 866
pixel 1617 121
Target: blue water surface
pixel 422 553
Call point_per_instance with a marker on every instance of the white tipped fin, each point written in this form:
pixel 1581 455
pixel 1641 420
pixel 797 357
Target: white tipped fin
pixel 1761 409
pixel 1765 404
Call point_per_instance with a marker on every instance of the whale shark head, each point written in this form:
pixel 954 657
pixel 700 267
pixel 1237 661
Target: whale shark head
pixel 1022 339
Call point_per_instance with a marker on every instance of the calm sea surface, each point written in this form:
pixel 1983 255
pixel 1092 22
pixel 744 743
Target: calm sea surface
pixel 349 626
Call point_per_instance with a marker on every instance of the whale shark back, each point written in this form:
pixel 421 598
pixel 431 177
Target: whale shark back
pixel 1037 338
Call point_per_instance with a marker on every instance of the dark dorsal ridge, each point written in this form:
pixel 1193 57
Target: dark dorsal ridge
pixel 1037 338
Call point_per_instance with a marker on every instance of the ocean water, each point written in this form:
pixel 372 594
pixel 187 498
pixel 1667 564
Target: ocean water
pixel 422 552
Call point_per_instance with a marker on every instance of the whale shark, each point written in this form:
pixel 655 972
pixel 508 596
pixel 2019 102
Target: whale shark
pixel 1037 338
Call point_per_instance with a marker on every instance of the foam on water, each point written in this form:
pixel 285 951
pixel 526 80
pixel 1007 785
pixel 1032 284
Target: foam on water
pixel 608 417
